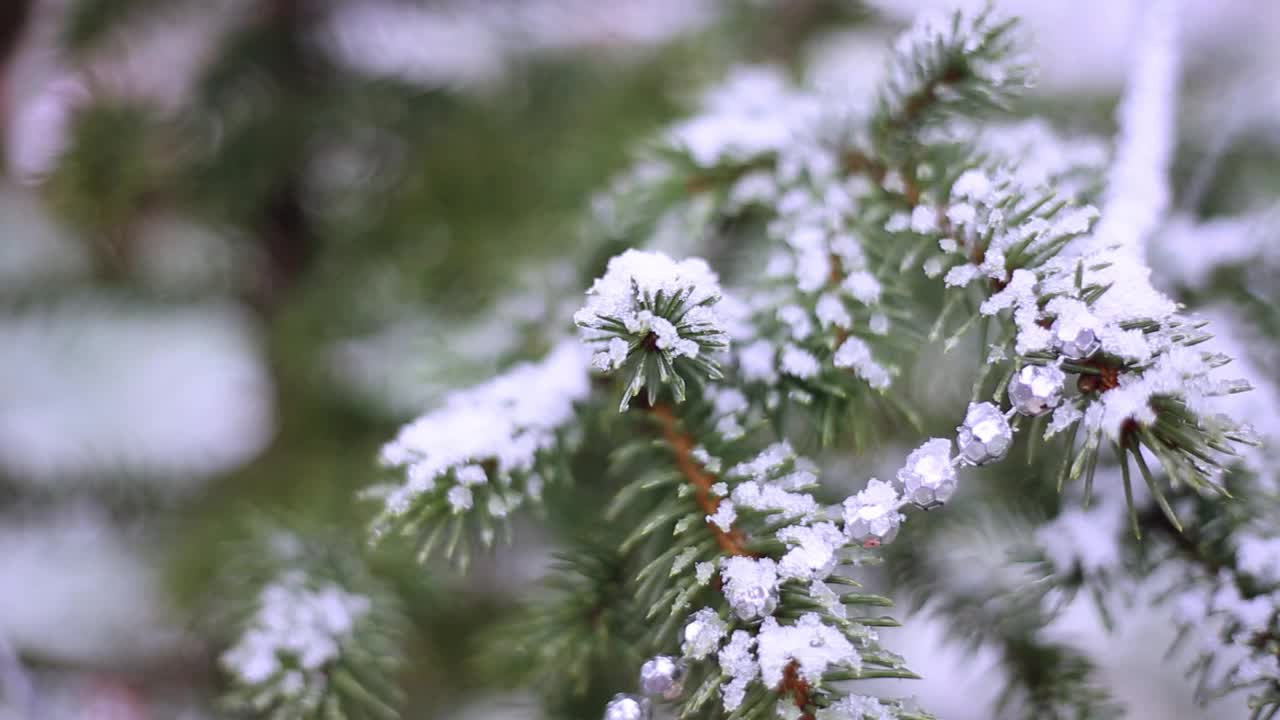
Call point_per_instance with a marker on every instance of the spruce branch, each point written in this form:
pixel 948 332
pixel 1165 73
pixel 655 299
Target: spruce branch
pixel 313 631
pixel 717 510
pixel 1230 583
pixel 942 68
pixel 573 645
pixel 766 561
pixel 483 453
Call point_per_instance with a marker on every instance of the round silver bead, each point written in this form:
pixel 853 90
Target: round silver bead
pixel 872 515
pixel 753 602
pixel 1075 340
pixel 928 477
pixel 702 634
pixel 985 436
pixel 662 676
pixel 628 707
pixel 1036 389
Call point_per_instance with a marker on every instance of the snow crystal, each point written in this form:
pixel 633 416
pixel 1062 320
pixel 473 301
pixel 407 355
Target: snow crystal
pixel 724 516
pixel 753 113
pixel 1259 556
pixel 961 214
pixel 1198 248
pixel 766 464
pixel 863 286
pixel 898 222
pixel 972 184
pixel 924 220
pixel 703 572
pixel 961 275
pixel 856 707
pixel 797 319
pixel 769 497
pixel 756 187
pixel 682 561
pixel 1137 194
pixel 880 324
pixel 1063 417
pixel 1084 539
pixel 460 498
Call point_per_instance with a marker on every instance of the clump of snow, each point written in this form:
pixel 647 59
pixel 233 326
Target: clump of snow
pixel 855 353
pixel 755 112
pixel 488 435
pixel 813 645
pixel 297 632
pixel 627 296
pixel 799 362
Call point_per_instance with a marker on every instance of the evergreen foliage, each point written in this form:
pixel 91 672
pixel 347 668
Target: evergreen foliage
pixel 759 309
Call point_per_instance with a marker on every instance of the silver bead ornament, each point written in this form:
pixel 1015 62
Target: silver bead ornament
pixel 1036 389
pixel 663 676
pixel 628 707
pixel 872 515
pixel 928 477
pixel 985 436
pixel 753 602
pixel 1075 340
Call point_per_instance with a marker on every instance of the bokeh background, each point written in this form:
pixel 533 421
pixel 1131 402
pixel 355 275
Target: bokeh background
pixel 242 241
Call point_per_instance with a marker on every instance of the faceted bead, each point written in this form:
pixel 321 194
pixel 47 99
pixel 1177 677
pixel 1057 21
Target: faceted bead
pixel 702 634
pixel 873 513
pixel 750 586
pixel 1074 339
pixel 1036 389
pixel 662 676
pixel 985 436
pixel 753 602
pixel 928 476
pixel 628 707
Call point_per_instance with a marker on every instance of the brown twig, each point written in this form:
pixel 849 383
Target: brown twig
pixel 682 444
pixel 731 541
pixel 798 688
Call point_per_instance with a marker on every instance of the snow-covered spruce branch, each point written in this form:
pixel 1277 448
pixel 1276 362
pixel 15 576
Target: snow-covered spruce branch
pixel 849 199
pixel 1007 234
pixel 1230 586
pixel 485 452
pixel 779 626
pixel 316 633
